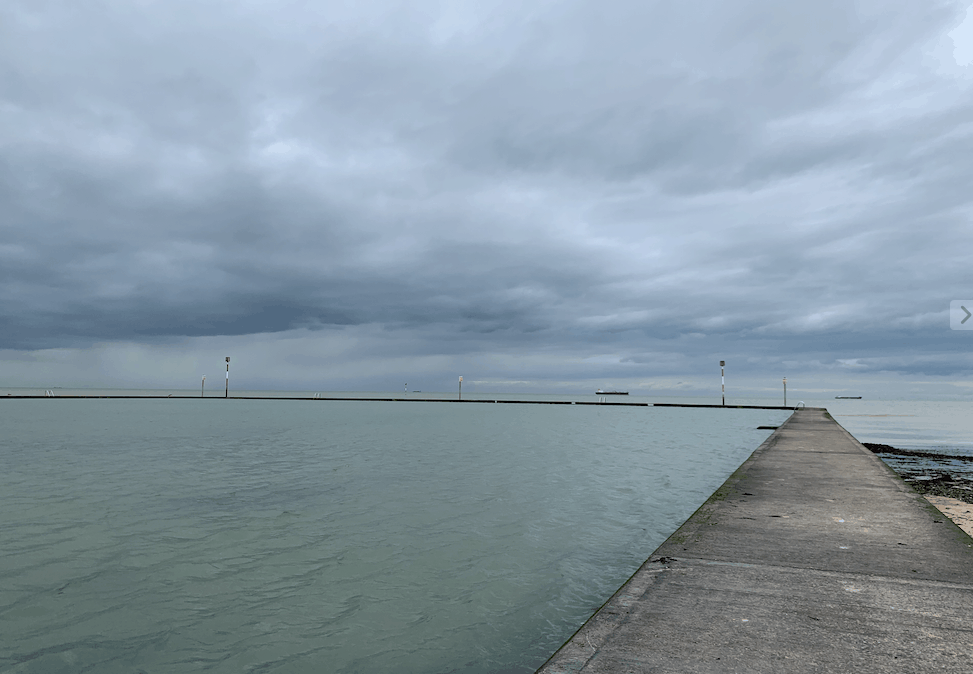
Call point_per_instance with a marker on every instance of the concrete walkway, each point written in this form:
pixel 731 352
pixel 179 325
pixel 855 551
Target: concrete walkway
pixel 812 557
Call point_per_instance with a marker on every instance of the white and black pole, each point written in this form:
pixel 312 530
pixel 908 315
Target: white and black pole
pixel 461 387
pixel 785 391
pixel 723 381
pixel 226 393
pixel 202 387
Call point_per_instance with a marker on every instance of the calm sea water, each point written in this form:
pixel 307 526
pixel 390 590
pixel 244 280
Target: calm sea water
pixel 937 426
pixel 230 536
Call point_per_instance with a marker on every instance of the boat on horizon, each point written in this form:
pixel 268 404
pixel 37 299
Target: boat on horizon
pixel 599 392
pixel 847 397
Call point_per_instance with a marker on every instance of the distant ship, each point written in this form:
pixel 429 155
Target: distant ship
pixel 599 392
pixel 847 397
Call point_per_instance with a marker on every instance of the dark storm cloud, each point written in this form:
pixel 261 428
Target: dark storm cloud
pixel 786 180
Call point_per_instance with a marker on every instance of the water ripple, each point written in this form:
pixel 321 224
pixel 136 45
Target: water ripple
pixel 344 537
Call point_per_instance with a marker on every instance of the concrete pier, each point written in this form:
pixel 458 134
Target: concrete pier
pixel 812 557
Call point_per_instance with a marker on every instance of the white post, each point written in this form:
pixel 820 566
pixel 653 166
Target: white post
pixel 785 391
pixel 202 387
pixel 461 387
pixel 226 394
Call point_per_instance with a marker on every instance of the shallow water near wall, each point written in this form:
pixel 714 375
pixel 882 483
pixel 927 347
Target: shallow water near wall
pixel 306 536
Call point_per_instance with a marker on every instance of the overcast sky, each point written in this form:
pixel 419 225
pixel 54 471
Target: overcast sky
pixel 539 195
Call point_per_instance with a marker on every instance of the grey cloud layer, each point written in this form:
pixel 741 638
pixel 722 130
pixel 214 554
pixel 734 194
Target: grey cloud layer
pixel 789 178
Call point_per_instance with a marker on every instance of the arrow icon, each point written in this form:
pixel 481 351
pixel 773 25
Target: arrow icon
pixel 961 315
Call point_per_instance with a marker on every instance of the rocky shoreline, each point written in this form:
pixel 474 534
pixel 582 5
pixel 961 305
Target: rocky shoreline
pixel 930 474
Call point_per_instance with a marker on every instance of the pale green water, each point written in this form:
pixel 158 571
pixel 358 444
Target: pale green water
pixel 283 536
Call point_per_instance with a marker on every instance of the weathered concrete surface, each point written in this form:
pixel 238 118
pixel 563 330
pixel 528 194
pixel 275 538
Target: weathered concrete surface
pixel 812 557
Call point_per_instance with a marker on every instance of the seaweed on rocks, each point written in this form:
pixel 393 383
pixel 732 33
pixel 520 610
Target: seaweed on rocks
pixel 928 472
pixel 944 484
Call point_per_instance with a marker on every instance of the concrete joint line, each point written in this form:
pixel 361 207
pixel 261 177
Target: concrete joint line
pixel 827 573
